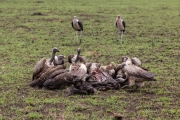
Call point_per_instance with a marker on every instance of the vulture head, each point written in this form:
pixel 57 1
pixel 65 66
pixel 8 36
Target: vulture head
pixel 55 49
pixel 74 58
pixel 94 68
pixel 59 60
pixel 124 58
pixel 121 66
pixel 127 60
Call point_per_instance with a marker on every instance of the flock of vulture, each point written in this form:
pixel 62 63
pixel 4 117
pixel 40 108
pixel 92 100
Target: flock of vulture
pixel 85 77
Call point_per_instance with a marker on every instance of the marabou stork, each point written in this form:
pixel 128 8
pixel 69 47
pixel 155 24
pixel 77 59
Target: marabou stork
pixel 78 26
pixel 120 24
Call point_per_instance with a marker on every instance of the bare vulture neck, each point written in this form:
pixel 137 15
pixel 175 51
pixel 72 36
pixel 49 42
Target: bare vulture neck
pixel 77 57
pixel 52 57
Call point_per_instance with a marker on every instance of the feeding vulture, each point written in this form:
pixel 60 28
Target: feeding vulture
pixel 43 64
pixel 77 68
pixel 39 81
pixel 110 69
pixel 136 75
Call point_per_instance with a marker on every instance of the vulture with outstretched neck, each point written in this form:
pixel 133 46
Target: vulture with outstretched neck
pixel 77 68
pixel 43 64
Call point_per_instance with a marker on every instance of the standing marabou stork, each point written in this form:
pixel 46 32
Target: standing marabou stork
pixel 120 24
pixel 78 26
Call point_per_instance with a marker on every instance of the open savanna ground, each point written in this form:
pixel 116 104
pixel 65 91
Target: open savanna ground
pixel 29 29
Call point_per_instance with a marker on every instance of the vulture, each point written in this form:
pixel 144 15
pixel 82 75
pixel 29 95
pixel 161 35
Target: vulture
pixel 77 26
pixel 120 24
pixel 110 69
pixel 77 68
pixel 100 79
pixel 39 81
pixel 77 58
pixel 136 75
pixel 59 81
pixel 127 60
pixel 136 61
pixel 59 60
pixel 43 64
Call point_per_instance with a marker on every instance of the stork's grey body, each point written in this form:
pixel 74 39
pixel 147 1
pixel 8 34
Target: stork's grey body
pixel 120 24
pixel 78 27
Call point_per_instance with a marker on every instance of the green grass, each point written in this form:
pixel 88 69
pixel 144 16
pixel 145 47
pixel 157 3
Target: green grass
pixel 152 35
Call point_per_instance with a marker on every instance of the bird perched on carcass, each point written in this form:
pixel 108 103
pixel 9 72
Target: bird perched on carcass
pixel 45 75
pixel 77 67
pixel 59 60
pixel 59 81
pixel 120 24
pixel 78 27
pixel 43 64
pixel 136 75
pixel 110 69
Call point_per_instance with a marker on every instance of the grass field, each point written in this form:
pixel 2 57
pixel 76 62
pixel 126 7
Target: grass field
pixel 29 29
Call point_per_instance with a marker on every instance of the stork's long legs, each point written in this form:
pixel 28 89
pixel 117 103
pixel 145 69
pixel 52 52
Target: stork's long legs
pixel 120 35
pixel 77 36
pixel 80 36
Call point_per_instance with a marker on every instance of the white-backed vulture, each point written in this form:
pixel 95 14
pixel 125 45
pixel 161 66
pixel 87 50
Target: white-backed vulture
pixel 136 61
pixel 59 81
pixel 110 69
pixel 127 60
pixel 136 75
pixel 77 67
pixel 59 60
pixel 39 81
pixel 77 58
pixel 44 64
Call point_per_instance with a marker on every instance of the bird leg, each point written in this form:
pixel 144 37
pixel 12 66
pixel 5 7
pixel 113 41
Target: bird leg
pixel 121 36
pixel 80 36
pixel 77 36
